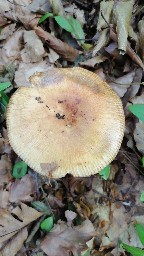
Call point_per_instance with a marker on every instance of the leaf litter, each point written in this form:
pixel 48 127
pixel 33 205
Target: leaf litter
pixel 90 215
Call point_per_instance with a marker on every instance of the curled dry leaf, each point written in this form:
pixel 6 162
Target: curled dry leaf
pixel 141 31
pixel 21 190
pixel 15 244
pixel 62 239
pixel 123 14
pixel 66 51
pixel 105 11
pixel 9 225
pixel 102 41
pixel 129 50
pixel 33 50
pixel 26 70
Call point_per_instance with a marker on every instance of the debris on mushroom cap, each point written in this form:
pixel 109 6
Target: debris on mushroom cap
pixel 69 121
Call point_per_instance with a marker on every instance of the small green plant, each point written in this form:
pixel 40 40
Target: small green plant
pixel 47 224
pixel 4 99
pixel 105 173
pixel 19 170
pixel 138 110
pixel 69 24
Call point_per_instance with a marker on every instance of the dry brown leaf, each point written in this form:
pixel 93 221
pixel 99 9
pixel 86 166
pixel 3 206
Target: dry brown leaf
pixel 141 31
pixel 73 10
pixel 15 244
pixel 118 224
pixel 93 61
pixel 7 31
pixel 41 6
pixel 53 56
pixel 102 41
pixel 70 216
pixel 9 225
pixel 24 72
pixel 121 84
pixel 5 169
pixel 62 239
pixel 3 20
pixel 12 47
pixel 20 12
pixel 5 146
pixel 66 51
pixel 4 198
pixel 22 190
pixel 123 15
pixel 4 6
pixel 57 7
pixel 129 50
pixel 105 10
pixel 33 50
pixel 139 136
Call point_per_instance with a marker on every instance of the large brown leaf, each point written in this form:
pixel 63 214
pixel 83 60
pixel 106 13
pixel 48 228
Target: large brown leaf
pixel 66 51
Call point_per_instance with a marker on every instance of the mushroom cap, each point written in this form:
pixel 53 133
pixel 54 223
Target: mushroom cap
pixel 69 121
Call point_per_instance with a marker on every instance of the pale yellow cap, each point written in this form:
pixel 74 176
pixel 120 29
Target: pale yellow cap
pixel 69 121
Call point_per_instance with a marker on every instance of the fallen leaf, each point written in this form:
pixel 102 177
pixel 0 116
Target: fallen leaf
pixel 141 31
pixel 5 169
pixel 57 7
pixel 3 20
pixel 121 84
pixel 93 61
pixel 33 50
pixel 15 244
pixel 139 136
pixel 129 50
pixel 62 239
pixel 9 225
pixel 4 198
pixel 41 6
pixel 7 31
pixel 20 12
pixel 22 190
pixel 66 51
pixel 105 11
pixel 123 15
pixel 4 6
pixel 26 70
pixel 12 47
pixel 102 41
pixel 53 56
pixel 73 10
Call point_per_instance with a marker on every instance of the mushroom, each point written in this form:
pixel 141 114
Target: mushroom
pixel 68 121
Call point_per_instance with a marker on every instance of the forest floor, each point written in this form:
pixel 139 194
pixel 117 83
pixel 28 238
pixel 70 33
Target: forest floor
pixel 101 215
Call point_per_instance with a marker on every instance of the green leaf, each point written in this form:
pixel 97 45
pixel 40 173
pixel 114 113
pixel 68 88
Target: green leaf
pixel 142 160
pixel 140 231
pixel 138 110
pixel 64 23
pixel 76 29
pixel 47 224
pixel 40 206
pixel 132 250
pixel 87 253
pixel 105 173
pixel 4 100
pixel 19 170
pixel 5 85
pixel 142 197
pixel 45 16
